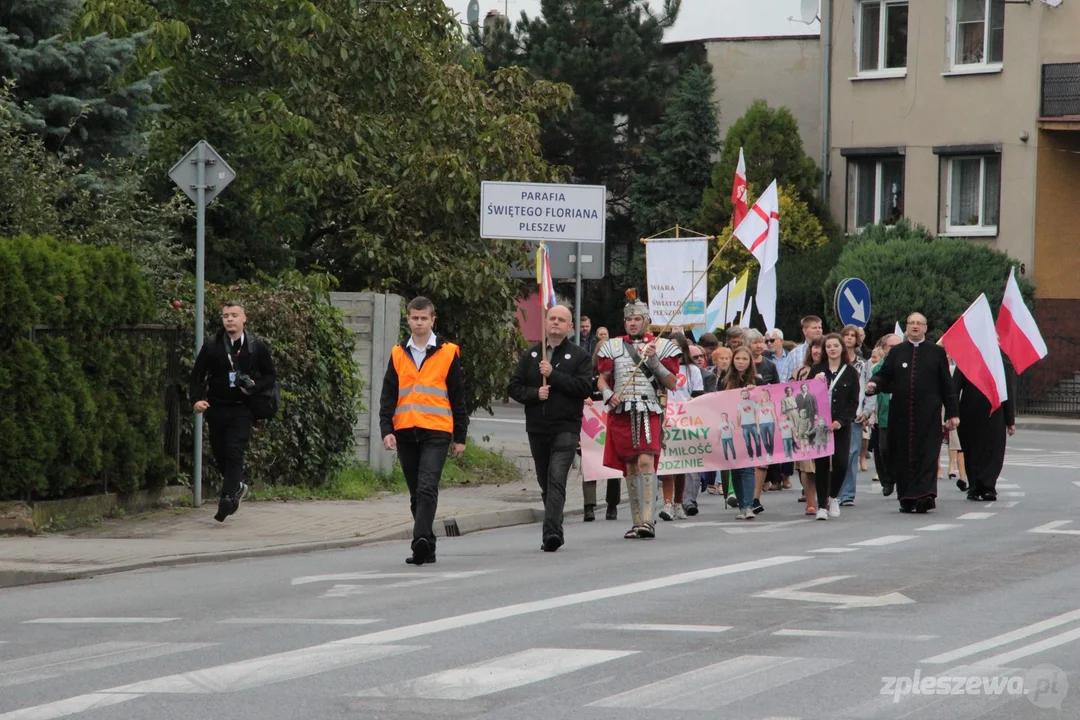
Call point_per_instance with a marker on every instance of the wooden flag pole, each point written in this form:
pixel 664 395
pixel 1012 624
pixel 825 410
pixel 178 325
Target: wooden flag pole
pixel 541 261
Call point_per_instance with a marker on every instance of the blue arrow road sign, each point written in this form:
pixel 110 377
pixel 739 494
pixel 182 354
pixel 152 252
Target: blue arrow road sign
pixel 853 302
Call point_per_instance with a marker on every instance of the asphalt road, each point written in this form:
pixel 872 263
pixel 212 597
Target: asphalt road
pixel 782 618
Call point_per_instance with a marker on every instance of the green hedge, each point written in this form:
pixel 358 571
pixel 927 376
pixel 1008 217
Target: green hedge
pixel 83 402
pixel 311 439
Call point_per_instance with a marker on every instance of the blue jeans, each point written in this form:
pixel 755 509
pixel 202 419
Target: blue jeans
pixel 847 490
pixel 708 478
pixel 789 447
pixel 729 444
pixel 743 480
pixel 767 437
pixel 751 432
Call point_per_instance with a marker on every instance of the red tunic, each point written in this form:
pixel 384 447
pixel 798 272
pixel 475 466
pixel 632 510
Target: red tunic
pixel 619 448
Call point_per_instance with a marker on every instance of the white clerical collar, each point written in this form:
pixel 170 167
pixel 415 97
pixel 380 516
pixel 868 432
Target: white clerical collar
pixel 413 346
pixel 917 344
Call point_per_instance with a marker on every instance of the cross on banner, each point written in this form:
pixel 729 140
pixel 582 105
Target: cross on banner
pixel 692 272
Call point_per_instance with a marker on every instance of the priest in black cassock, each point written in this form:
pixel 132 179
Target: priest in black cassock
pixel 982 434
pixel 916 373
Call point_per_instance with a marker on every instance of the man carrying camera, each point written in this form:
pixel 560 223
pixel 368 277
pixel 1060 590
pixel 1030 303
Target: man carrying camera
pixel 231 367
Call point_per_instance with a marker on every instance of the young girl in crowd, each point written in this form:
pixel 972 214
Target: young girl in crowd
pixel 843 383
pixel 804 424
pixel 742 375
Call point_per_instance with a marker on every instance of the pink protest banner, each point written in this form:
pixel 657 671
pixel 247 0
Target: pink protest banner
pixel 731 429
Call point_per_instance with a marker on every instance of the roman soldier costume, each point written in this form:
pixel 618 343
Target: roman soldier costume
pixel 635 426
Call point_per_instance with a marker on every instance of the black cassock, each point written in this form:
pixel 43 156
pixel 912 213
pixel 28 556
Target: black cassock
pixel 918 379
pixel 982 435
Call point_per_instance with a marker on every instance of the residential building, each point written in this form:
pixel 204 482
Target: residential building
pixel 964 115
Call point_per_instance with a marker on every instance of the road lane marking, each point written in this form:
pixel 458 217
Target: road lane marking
pixel 1007 486
pixel 726 682
pixel 976 516
pixel 647 627
pixel 296 621
pixel 798 592
pixel 883 540
pixel 498 675
pixel 834 551
pixel 73 705
pixel 1014 493
pixel 99 621
pixel 432 576
pixel 937 528
pixel 48 666
pixel 1035 647
pixel 1004 639
pixel 1052 528
pixel 794 632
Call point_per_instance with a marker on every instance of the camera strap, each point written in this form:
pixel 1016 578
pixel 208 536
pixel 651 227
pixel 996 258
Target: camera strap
pixel 229 351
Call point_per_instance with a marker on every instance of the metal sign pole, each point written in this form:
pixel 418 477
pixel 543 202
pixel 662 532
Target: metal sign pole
pixel 577 294
pixel 200 269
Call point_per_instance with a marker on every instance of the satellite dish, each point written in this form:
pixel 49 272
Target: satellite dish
pixel 473 13
pixel 808 11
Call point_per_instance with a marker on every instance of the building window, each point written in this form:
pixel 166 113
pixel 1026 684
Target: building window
pixel 879 191
pixel 882 36
pixel 973 194
pixel 979 37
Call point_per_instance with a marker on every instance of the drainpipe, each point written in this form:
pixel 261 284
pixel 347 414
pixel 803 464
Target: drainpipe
pixel 826 100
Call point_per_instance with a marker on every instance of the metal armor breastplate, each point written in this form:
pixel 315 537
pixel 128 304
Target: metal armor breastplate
pixel 639 394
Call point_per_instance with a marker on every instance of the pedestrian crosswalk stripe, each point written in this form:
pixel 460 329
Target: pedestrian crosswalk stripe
pixel 712 687
pixel 884 540
pixel 832 551
pixel 498 675
pixel 794 632
pixel 297 621
pixel 90 657
pixel 937 528
pixel 99 621
pixel 69 706
pixel 1007 486
pixel 645 627
pixel 976 516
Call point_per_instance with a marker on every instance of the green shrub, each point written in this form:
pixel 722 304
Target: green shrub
pixel 311 439
pixel 908 270
pixel 84 402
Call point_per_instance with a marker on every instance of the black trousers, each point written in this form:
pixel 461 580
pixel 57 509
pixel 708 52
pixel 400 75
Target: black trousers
pixel 881 456
pixel 612 496
pixel 230 433
pixel 553 453
pixel 422 454
pixel 831 471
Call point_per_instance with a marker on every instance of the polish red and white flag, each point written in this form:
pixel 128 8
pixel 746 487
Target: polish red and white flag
pixel 1017 332
pixel 973 345
pixel 739 192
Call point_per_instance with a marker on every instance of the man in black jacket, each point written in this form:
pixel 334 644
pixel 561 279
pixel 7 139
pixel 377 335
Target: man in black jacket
pixel 231 366
pixel 421 411
pixel 553 390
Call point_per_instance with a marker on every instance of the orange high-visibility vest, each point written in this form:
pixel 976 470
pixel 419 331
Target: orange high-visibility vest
pixel 423 400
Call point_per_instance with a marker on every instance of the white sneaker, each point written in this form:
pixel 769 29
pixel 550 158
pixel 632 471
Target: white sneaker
pixel 822 514
pixel 668 512
pixel 834 507
pixel 741 514
pixel 680 512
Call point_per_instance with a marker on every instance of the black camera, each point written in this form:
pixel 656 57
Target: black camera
pixel 244 382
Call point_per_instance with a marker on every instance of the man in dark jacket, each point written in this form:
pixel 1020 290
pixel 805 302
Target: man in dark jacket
pixel 231 366
pixel 421 411
pixel 553 390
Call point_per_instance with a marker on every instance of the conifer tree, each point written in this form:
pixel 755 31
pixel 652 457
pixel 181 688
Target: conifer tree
pixel 71 92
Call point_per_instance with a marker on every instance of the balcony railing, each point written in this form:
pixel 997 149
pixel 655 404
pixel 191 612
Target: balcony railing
pixel 1060 90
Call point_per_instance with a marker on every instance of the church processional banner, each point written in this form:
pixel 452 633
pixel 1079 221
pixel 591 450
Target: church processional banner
pixel 753 427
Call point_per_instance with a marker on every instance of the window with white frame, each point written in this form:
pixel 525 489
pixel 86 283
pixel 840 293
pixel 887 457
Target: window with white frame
pixel 879 191
pixel 973 195
pixel 882 36
pixel 979 33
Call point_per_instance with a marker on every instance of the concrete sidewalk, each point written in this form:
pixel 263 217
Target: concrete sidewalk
pixel 261 529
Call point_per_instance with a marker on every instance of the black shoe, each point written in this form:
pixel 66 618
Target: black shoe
pixel 847 503
pixel 973 495
pixel 647 531
pixel 224 508
pixel 990 496
pixel 907 506
pixel 590 513
pixel 612 513
pixel 412 561
pixel 758 507
pixel 924 505
pixel 552 543
pixel 961 484
pixel 887 488
pixel 691 509
pixel 421 550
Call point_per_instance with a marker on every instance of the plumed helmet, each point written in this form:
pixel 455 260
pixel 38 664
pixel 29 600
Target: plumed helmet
pixel 635 307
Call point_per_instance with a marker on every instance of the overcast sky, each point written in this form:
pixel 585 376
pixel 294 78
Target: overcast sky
pixel 698 20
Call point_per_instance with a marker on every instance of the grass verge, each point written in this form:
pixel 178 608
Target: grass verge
pixel 478 466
